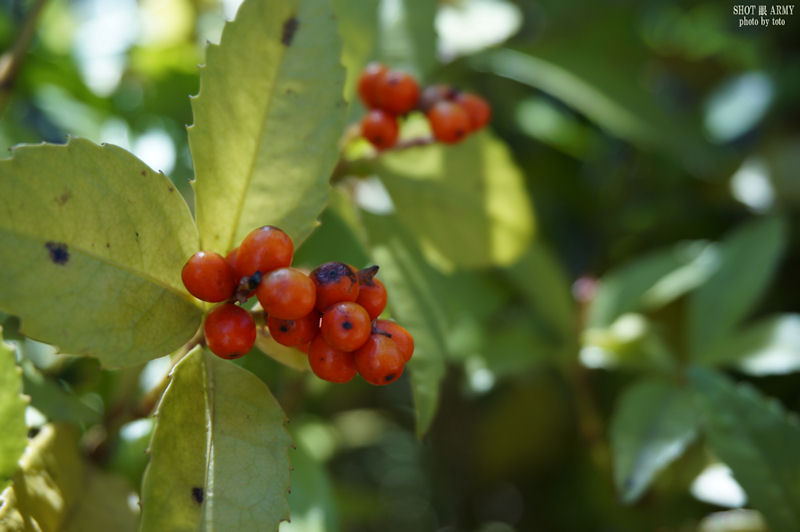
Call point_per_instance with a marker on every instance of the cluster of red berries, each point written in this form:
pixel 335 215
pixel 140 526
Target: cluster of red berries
pixel 387 94
pixel 331 313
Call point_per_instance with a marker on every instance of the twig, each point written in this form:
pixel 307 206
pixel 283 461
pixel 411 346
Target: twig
pixel 11 61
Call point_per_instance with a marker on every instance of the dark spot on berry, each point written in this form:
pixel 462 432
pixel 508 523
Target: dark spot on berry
pixel 289 29
pixel 33 432
pixel 331 272
pixel 58 252
pixel 347 326
pixel 63 198
pixel 389 377
pixel 197 495
pixel 284 328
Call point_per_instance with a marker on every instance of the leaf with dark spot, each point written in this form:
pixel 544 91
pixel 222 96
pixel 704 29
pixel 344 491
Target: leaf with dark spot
pixel 197 494
pixel 58 252
pixel 289 29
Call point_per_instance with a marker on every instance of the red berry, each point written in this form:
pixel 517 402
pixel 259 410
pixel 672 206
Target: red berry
pixel 294 333
pixel 435 94
pixel 477 109
pixel 371 292
pixel 379 360
pixel 286 293
pixel 230 331
pixel 345 326
pixel 380 129
pixel 329 363
pixel 335 282
pixel 230 258
pixel 398 334
pixel 207 276
pixel 367 83
pixel 397 92
pixel 263 250
pixel 449 122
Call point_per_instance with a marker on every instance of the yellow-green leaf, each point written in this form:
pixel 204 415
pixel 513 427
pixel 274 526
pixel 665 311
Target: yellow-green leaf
pixel 55 490
pixel 12 414
pixel 219 453
pixel 466 203
pixel 267 121
pixel 92 242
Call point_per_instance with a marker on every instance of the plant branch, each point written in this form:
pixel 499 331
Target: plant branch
pixel 11 61
pixel 365 166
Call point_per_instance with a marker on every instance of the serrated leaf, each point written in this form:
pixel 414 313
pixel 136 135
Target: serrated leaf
pixel 267 121
pixel 757 438
pixel 12 414
pixel 92 243
pixel 411 285
pixel 54 489
pixel 651 426
pixel 465 203
pixel 747 259
pixel 768 347
pixel 651 281
pixel 219 452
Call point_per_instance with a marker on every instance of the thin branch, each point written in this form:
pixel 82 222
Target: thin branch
pixel 11 61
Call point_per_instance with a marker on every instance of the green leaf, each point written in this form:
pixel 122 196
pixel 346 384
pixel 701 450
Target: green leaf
pixel 543 282
pixel 411 284
pixel 407 39
pixel 769 347
pixel 651 281
pixel 467 204
pixel 747 258
pixel 219 453
pixel 312 502
pixel 92 243
pixel 653 423
pixel 758 439
pixel 358 28
pixel 54 489
pixel 267 122
pixel 12 414
pixel 56 403
pixel 630 342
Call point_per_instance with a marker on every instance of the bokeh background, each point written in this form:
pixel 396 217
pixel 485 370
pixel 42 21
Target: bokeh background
pixel 636 125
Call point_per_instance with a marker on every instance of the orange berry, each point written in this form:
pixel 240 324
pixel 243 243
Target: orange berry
pixel 286 293
pixel 398 334
pixel 230 331
pixel 477 109
pixel 367 83
pixel 345 326
pixel 335 282
pixel 379 360
pixel 208 277
pixel 449 122
pixel 263 250
pixel 397 92
pixel 329 363
pixel 380 129
pixel 371 292
pixel 294 333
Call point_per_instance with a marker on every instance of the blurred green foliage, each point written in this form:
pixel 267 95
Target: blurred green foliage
pixel 659 146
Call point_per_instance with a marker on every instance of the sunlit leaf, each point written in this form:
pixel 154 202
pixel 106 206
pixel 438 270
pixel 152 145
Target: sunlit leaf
pixel 219 452
pixel 266 121
pixel 757 438
pixel 92 243
pixel 411 284
pixel 12 414
pixel 54 489
pixel 466 203
pixel 653 423
pixel 747 259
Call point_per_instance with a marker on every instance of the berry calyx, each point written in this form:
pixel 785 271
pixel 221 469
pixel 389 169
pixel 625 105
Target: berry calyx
pixel 371 292
pixel 398 334
pixel 368 83
pixel 263 250
pixel 379 360
pixel 476 107
pixel 329 363
pixel 345 326
pixel 434 94
pixel 380 129
pixel 397 92
pixel 449 122
pixel 335 282
pixel 208 277
pixel 230 331
pixel 294 333
pixel 286 293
